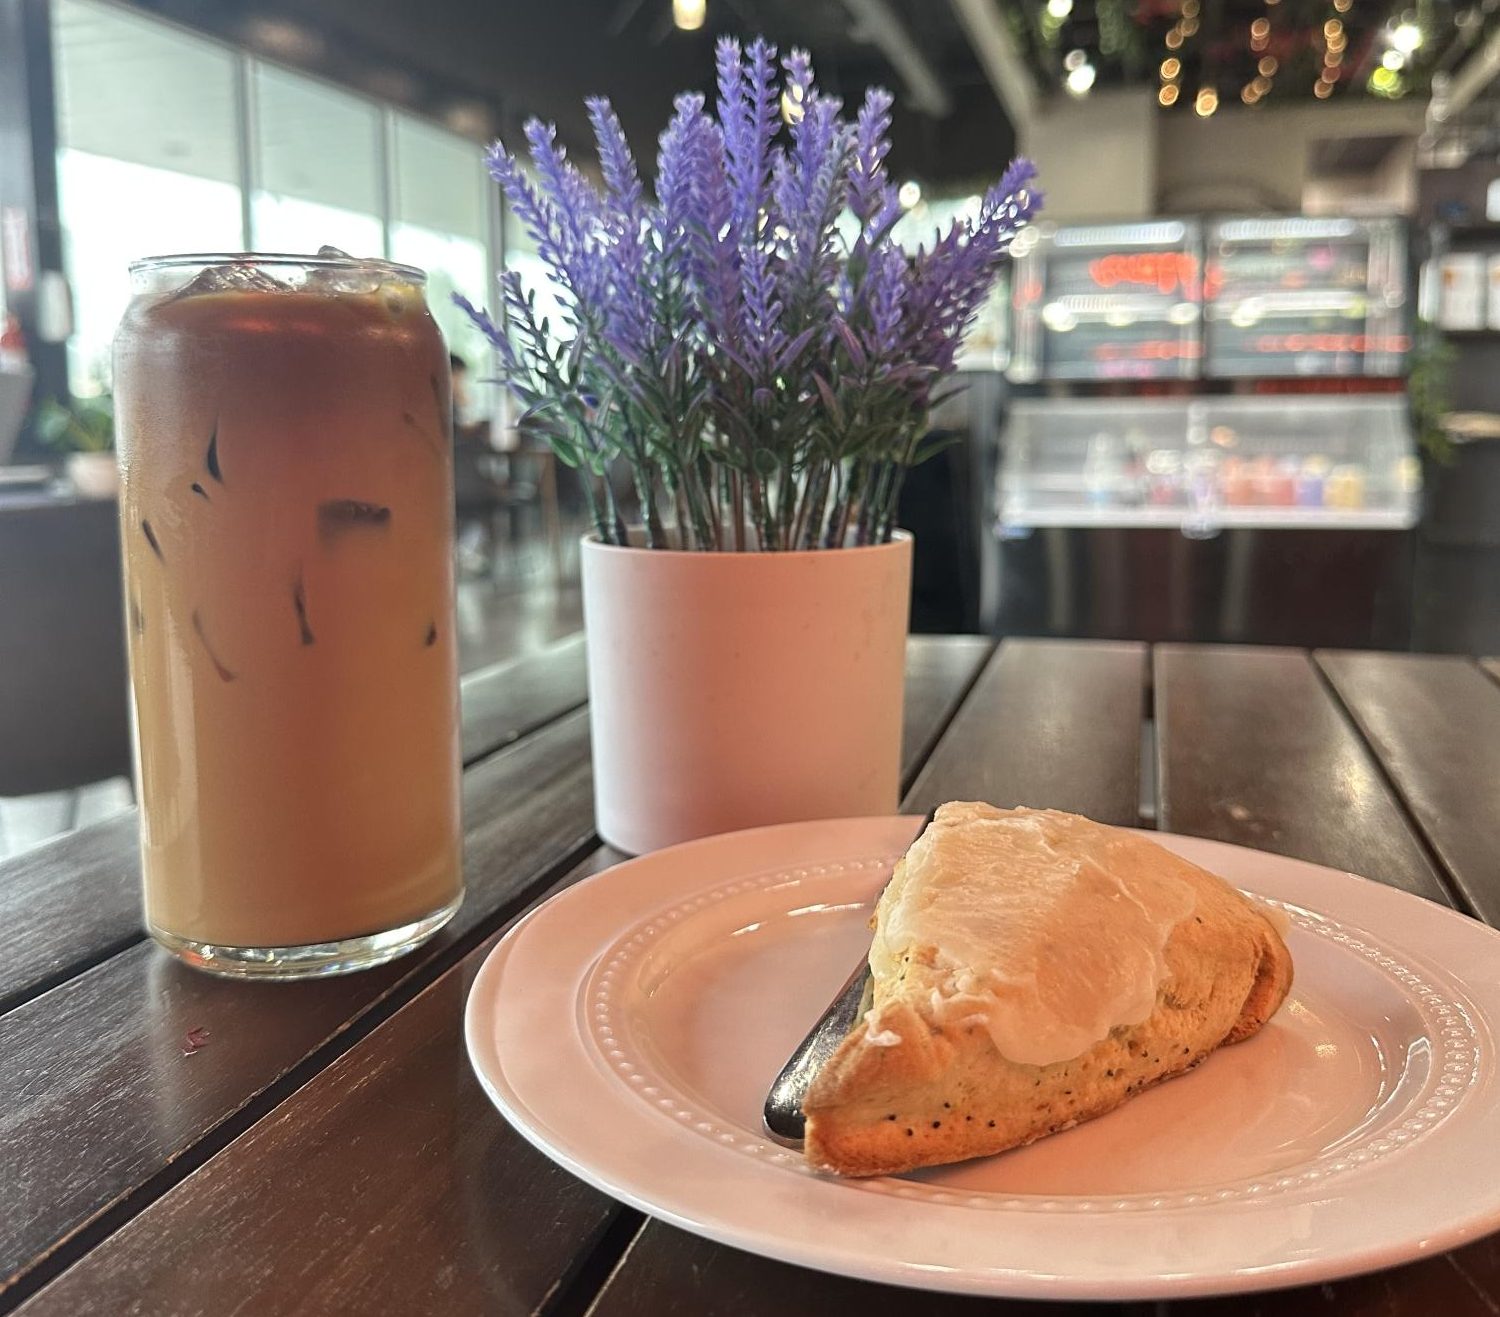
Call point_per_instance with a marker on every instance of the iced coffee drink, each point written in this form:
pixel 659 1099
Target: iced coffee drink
pixel 287 511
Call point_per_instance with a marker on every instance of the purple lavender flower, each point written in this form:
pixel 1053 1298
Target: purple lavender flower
pixel 868 189
pixel 748 116
pixel 749 366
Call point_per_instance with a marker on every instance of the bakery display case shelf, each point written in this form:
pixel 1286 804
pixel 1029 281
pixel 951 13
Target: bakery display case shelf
pixel 1209 463
pixel 1033 517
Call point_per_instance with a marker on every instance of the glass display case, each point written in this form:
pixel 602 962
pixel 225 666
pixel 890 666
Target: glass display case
pixel 1207 464
pixel 1108 302
pixel 1305 296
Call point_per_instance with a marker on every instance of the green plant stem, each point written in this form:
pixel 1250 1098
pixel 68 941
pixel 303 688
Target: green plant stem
pixel 596 513
pixel 843 507
pixel 737 487
pixel 867 495
pixel 621 536
pixel 890 502
pixel 810 507
pixel 702 509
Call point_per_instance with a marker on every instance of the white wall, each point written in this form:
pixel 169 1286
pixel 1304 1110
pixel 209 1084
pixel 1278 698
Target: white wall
pixel 1096 156
pixel 1388 189
pixel 1250 160
pixel 1115 155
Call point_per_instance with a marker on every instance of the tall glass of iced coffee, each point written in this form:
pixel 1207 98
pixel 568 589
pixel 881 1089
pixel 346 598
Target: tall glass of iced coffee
pixel 286 510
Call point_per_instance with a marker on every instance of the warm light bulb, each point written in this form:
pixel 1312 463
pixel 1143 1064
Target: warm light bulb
pixel 1167 95
pixel 1174 39
pixel 1075 59
pixel 1322 90
pixel 1189 26
pixel 1207 102
pixel 1059 9
pixel 1081 79
pixel 1333 58
pixel 1333 29
pixel 1329 75
pixel 1343 6
pixel 1261 85
pixel 1268 66
pixel 909 193
pixel 1406 38
pixel 1393 59
pixel 689 14
pixel 1170 67
pixel 1190 8
pixel 1249 95
pixel 1261 28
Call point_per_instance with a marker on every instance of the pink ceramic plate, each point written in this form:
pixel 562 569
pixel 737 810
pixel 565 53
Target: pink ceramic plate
pixel 630 1027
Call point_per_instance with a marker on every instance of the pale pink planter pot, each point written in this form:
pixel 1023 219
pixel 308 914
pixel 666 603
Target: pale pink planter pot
pixel 732 690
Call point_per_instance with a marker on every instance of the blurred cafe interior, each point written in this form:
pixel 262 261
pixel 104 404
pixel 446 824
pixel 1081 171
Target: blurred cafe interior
pixel 1241 383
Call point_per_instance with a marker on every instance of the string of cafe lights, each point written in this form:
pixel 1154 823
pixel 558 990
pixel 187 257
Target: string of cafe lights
pixel 1335 42
pixel 1183 30
pixel 1266 66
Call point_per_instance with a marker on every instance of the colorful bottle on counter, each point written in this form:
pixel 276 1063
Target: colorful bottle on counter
pixel 1345 487
pixel 1308 491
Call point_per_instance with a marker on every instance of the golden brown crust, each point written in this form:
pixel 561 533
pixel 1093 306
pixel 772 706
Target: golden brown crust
pixel 945 1093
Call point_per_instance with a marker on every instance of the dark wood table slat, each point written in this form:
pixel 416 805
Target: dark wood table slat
pixel 391 1152
pixel 1422 1289
pixel 1434 723
pixel 70 903
pixel 97 1100
pixel 940 671
pixel 66 905
pixel 1049 723
pixel 388 1185
pixel 670 1273
pixel 1253 748
pixel 506 701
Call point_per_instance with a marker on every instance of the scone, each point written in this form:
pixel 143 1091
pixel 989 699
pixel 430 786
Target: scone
pixel 1033 969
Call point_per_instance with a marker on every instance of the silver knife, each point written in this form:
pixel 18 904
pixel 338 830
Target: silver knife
pixel 782 1113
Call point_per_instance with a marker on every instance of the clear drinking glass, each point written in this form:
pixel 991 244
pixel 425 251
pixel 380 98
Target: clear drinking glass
pixel 287 518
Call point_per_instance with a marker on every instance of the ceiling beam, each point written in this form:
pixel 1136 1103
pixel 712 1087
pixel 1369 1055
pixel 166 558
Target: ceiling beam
pixel 1002 62
pixel 1468 81
pixel 881 25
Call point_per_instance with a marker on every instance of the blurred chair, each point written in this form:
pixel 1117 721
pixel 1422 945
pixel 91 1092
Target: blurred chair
pixel 64 720
pixel 491 489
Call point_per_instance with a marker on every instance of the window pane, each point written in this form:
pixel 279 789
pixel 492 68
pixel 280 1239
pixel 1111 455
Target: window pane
pixel 148 161
pixel 440 180
pixel 439 224
pixel 130 88
pixel 453 264
pixel 103 234
pixel 318 167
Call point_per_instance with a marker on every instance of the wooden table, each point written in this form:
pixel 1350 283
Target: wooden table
pixel 328 1150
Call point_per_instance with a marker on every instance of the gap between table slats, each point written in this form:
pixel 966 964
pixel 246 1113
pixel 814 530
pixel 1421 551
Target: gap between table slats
pixel 1253 748
pixel 1433 722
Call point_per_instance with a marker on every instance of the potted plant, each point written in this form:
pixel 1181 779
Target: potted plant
pixel 85 432
pixel 741 371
